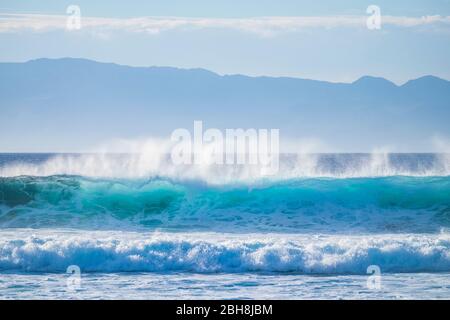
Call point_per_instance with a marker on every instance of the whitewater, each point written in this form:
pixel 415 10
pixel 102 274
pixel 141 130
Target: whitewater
pixel 139 227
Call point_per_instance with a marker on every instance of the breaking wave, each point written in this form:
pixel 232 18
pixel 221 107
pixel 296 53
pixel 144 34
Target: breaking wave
pixel 320 214
pixel 207 253
pixel 387 204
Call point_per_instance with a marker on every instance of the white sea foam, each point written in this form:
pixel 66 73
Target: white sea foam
pixel 53 251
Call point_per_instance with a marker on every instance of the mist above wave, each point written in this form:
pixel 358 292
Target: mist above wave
pixel 157 163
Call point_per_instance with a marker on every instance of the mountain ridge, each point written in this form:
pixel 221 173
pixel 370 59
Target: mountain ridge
pixel 363 77
pixel 75 101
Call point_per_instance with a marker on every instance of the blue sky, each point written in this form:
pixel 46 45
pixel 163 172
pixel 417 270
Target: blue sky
pixel 229 8
pixel 325 40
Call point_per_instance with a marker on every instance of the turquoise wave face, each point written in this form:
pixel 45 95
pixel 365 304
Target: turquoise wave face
pixel 386 204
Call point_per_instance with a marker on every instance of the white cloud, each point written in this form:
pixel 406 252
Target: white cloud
pixel 263 26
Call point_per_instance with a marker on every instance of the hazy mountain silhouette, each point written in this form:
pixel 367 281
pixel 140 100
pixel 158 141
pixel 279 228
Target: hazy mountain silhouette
pixel 74 100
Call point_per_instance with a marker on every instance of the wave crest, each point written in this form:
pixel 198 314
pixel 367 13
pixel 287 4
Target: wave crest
pixel 291 166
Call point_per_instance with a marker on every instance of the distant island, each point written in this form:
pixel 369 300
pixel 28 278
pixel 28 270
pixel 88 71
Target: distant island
pixel 70 101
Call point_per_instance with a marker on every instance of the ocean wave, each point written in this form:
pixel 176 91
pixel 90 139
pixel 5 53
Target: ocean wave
pixel 394 204
pixel 51 251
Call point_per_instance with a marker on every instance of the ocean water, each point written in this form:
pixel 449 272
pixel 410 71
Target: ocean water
pixel 133 226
